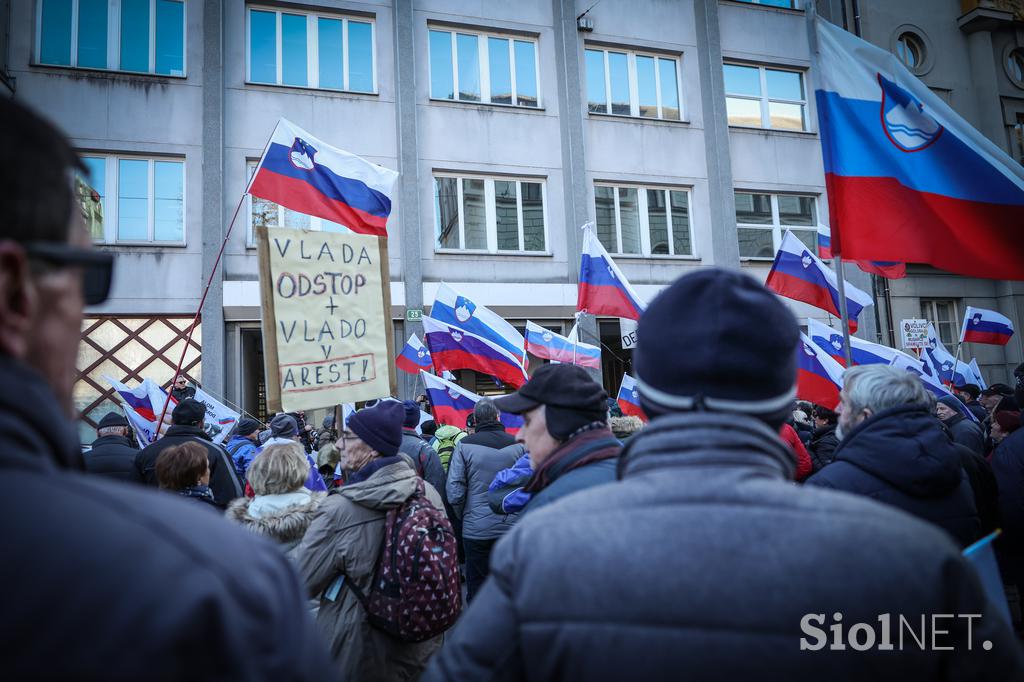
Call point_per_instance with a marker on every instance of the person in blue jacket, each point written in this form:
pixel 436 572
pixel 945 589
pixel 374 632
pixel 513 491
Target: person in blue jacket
pixel 244 445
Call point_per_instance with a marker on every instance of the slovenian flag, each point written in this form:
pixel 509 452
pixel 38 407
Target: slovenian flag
pixel 890 270
pixel 930 383
pixel 414 357
pixel 819 377
pixel 546 344
pixel 862 352
pixel 800 275
pixel 944 364
pixel 455 348
pixel 452 404
pixel 460 311
pixel 629 398
pixel 909 179
pixel 973 364
pixel 308 175
pixel 142 406
pixel 603 290
pixel 985 326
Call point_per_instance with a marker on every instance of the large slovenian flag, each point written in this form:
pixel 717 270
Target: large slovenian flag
pixel 142 406
pixel 603 290
pixel 862 352
pixel 985 326
pixel 452 404
pixel 944 365
pixel 629 398
pixel 799 274
pixel 546 344
pixel 453 308
pixel 414 356
pixel 908 179
pixel 889 269
pixel 930 383
pixel 308 175
pixel 455 348
pixel 819 377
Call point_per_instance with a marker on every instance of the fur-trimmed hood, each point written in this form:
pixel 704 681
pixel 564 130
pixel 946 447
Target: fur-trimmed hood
pixel 286 526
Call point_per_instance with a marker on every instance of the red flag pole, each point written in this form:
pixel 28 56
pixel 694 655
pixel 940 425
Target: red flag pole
pixel 199 310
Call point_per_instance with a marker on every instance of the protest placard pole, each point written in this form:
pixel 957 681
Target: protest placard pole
pixel 269 323
pixel 199 310
pixel 389 325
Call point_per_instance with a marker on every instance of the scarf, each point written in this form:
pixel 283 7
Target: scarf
pixel 562 461
pixel 202 492
pixel 373 467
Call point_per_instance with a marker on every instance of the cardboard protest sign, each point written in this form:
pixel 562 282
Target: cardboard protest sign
pixel 326 303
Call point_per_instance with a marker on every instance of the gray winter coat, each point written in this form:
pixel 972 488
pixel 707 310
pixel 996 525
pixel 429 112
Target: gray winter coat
pixel 703 561
pixel 476 461
pixel 345 539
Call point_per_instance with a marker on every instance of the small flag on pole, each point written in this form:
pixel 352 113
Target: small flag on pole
pixel 603 290
pixel 451 404
pixel 985 326
pixel 546 344
pixel 414 356
pixel 629 398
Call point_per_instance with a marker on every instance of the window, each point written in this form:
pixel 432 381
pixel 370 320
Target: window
pixel 788 4
pixel 761 220
pixel 910 50
pixel 761 97
pixel 1015 66
pixel 309 50
pixel 632 84
pixel 471 67
pixel 943 314
pixel 144 36
pixel 644 221
pixel 143 199
pixel 489 214
pixel 263 213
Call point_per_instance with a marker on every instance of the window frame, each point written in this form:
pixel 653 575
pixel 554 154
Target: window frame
pixel 643 208
pixel 793 4
pixel 483 51
pixel 113 41
pixel 634 88
pixel 776 227
pixel 931 304
pixel 312 48
pixel 490 213
pixel 316 224
pixel 111 195
pixel 764 99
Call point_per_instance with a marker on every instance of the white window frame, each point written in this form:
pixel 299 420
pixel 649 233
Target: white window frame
pixel 645 222
pixel 111 188
pixel 114 40
pixel 932 316
pixel 634 88
pixel 490 213
pixel 483 55
pixel 312 48
pixel 777 228
pixel 316 224
pixel 794 4
pixel 764 99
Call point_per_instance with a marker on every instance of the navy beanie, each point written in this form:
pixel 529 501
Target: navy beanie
pixel 412 414
pixel 380 426
pixel 717 340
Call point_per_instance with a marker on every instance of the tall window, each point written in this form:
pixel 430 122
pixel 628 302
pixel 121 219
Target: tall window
pixel 943 314
pixel 489 214
pixel 788 4
pixel 763 97
pixel 144 36
pixel 328 52
pixel 762 219
pixel 263 213
pixel 632 84
pixel 471 67
pixel 143 199
pixel 644 221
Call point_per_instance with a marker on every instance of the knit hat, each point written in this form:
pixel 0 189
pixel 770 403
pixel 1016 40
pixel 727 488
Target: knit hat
pixel 1009 421
pixel 950 402
pixel 571 399
pixel 111 419
pixel 284 426
pixel 412 414
pixel 717 340
pixel 188 412
pixel 247 426
pixel 380 426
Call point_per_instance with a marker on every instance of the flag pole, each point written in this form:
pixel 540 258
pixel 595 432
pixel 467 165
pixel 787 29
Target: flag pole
pixel 844 315
pixel 956 362
pixel 199 310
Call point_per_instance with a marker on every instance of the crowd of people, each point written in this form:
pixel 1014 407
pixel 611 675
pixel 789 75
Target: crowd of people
pixel 584 546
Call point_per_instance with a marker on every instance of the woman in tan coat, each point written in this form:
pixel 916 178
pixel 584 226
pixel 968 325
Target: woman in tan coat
pixel 342 544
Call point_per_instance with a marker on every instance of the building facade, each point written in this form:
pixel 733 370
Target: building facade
pixel 685 130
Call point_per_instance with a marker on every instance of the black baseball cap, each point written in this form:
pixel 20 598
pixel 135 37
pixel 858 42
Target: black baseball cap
pixel 188 412
pixel 565 386
pixel 998 389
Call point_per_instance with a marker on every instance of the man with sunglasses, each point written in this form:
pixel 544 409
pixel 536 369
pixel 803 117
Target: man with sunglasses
pixel 106 581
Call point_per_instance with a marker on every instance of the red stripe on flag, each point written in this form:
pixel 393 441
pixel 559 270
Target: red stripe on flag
pixel 460 359
pixel 605 300
pixel 994 338
pixel 303 197
pixel 631 410
pixel 801 290
pixel 816 389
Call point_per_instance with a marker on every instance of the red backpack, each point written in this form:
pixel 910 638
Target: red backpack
pixel 415 593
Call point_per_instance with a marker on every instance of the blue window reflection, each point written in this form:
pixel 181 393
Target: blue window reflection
pixel 526 73
pixel 169 202
pixel 132 200
pixel 170 37
pixel 360 56
pixel 329 45
pixel 469 67
pixel 442 85
pixel 501 70
pixel 618 78
pixel 597 96
pixel 669 88
pixel 92 33
pixel 96 174
pixel 293 49
pixel 135 35
pixel 55 33
pixel 262 47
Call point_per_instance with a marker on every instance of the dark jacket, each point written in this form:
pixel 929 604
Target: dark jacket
pixel 117 582
pixel 978 410
pixel 180 394
pixel 586 459
pixel 477 459
pixel 113 456
pixel 902 457
pixel 983 485
pixel 223 481
pixel 966 433
pixel 823 447
pixel 425 459
pixel 1008 467
pixel 700 565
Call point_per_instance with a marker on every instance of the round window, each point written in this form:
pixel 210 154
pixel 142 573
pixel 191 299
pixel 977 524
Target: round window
pixel 1015 65
pixel 910 50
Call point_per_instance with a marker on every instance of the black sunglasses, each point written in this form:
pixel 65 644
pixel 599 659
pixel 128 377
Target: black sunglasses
pixel 97 266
